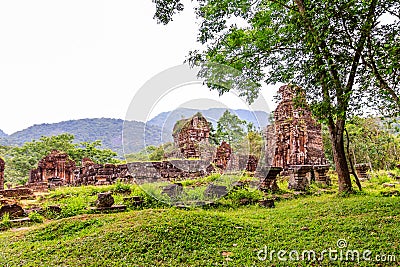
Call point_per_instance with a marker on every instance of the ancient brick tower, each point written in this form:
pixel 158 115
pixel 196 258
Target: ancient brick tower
pixel 190 133
pixel 56 165
pixel 295 137
pixel 2 164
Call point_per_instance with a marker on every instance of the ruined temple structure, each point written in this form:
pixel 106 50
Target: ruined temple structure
pixel 223 156
pixel 2 164
pixel 56 168
pixel 295 137
pixel 190 133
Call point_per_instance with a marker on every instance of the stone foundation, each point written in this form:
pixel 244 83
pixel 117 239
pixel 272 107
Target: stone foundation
pixel 320 176
pixel 16 192
pixel 298 180
pixel 267 177
pixel 362 170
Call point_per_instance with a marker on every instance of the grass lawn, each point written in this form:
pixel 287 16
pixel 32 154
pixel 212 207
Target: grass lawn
pixel 215 236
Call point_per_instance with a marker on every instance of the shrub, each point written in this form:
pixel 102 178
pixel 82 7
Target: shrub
pixel 5 222
pixel 36 217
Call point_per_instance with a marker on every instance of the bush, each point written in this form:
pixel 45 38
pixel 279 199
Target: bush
pixel 380 177
pixel 234 197
pixel 5 222
pixel 36 217
pixel 122 188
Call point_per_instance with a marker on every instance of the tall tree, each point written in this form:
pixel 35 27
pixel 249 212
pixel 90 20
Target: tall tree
pixel 231 129
pixel 326 47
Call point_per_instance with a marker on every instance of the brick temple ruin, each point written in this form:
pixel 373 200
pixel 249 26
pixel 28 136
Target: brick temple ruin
pixel 2 164
pixel 56 168
pixel 293 144
pixel 190 133
pixel 294 140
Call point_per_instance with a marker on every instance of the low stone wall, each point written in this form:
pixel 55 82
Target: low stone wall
pixel 172 170
pixel 97 174
pixel 17 192
pixel 38 187
pixel 142 172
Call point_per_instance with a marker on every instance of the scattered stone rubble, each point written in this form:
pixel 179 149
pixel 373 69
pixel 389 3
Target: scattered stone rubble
pixel 104 200
pixel 14 210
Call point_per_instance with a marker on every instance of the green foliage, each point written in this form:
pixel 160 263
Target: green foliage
pixel 235 197
pixel 230 129
pixel 380 177
pixel 36 217
pixel 5 222
pixel 372 141
pixel 201 181
pixel 150 153
pixel 109 131
pixel 121 188
pixel 252 143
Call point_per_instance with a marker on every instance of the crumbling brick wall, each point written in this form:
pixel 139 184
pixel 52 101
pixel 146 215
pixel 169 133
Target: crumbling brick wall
pixel 97 174
pixel 2 165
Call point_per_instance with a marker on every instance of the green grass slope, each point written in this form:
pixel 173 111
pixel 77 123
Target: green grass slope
pixel 212 237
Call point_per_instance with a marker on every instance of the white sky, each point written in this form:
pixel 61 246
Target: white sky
pixel 62 60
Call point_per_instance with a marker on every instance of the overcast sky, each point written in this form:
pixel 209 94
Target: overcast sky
pixel 62 60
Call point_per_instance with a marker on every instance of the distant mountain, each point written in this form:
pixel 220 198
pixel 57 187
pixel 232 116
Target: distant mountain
pixel 3 134
pixel 109 131
pixel 137 135
pixel 166 120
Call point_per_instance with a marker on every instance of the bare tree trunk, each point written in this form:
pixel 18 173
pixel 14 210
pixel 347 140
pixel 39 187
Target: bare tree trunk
pixel 350 161
pixel 339 156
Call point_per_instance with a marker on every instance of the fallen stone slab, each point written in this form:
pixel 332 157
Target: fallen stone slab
pixel 173 190
pixel 117 208
pixel 267 203
pixel 14 210
pixel 215 191
pixel 21 221
pixel 54 209
pixel 104 200
pixel 194 203
pixel 389 185
pixel 391 193
pixel 135 201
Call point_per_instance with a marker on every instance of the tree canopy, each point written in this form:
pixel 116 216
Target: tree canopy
pixel 344 54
